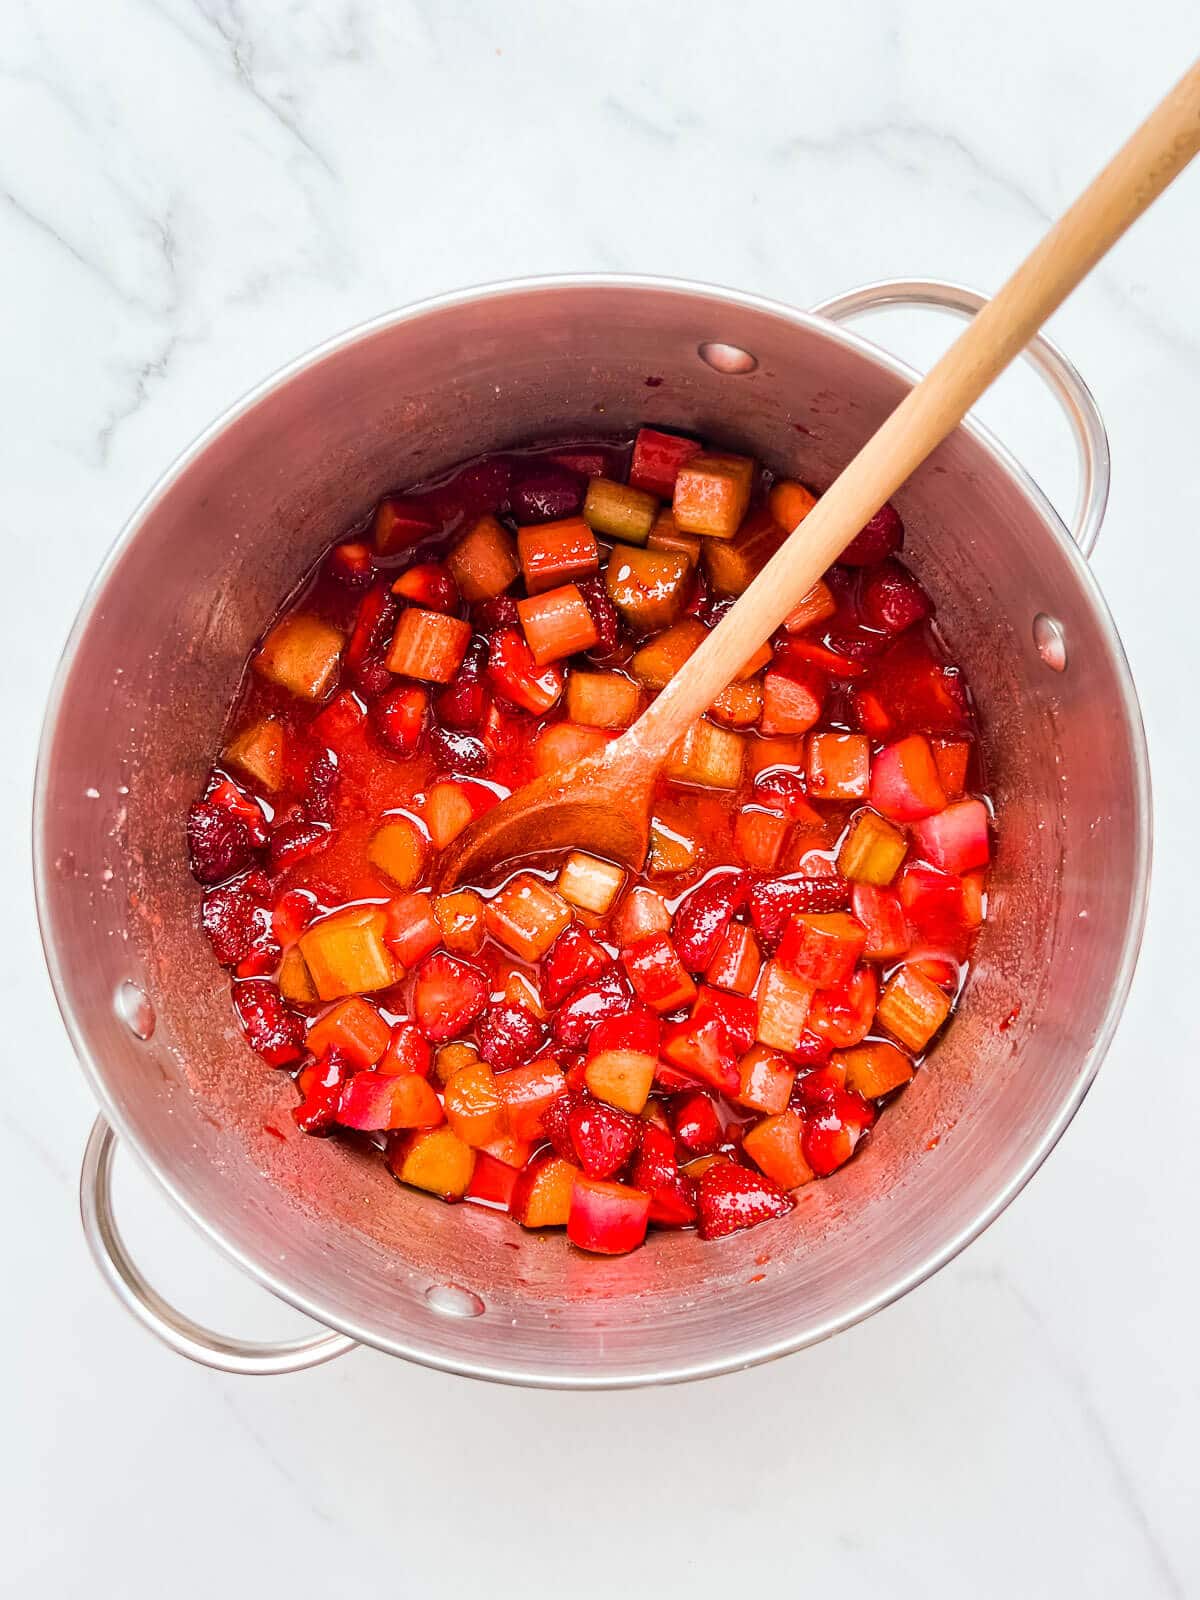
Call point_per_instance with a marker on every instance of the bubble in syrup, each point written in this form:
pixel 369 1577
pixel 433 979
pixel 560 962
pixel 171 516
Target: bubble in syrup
pixel 452 1300
pixel 132 1005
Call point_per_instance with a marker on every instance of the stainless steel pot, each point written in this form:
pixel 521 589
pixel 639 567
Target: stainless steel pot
pixel 138 704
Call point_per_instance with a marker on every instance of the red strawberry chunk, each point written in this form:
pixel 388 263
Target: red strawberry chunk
pixel 447 996
pixel 737 1014
pixel 573 959
pixel 545 491
pixel 638 1030
pixel 320 1085
pixel 657 973
pixel 225 793
pixel 458 752
pixel 881 537
pixel 295 840
pixel 556 1118
pixel 463 703
pixel 399 718
pixel 604 617
pixel 495 616
pixel 428 584
pixel 702 1049
pixel 697 1125
pixel 609 996
pixel 271 1029
pixel 219 842
pixel 730 1198
pixel 509 1035
pixel 603 1137
pixel 232 916
pixel 774 901
pixel 892 599
pixel 833 1129
pixel 656 1173
pixel 703 916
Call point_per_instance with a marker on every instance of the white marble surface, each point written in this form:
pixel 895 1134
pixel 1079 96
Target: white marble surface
pixel 196 190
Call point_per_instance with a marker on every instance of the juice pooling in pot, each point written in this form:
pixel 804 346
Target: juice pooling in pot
pixel 574 1045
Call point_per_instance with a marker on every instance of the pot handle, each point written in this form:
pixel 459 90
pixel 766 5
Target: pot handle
pixel 180 1333
pixel 1068 388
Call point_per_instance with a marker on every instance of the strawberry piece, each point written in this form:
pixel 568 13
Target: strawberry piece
pixel 774 901
pixel 638 1029
pixel 737 1014
pixel 881 537
pixel 657 458
pixel 320 1085
pixel 516 678
pixel 832 1130
pixel 411 930
pixel 821 949
pixel 914 691
pixel 399 718
pixel 295 840
pixel 573 959
pixel 604 617
pixel 219 842
pixel 842 1015
pixel 892 599
pixel 786 792
pixel 704 915
pixel 407 1051
pixel 495 616
pixel 493 1183
pixel 350 564
pixel 509 1035
pixel 232 916
pixel 697 1125
pixel 545 491
pixel 608 996
pixel 819 1087
pixel 556 1123
pixel 482 487
pixel 657 973
pixel 810 1049
pixel 932 902
pixel 702 1049
pixel 607 1218
pixel 448 995
pixel 271 1029
pixel 225 793
pixel 463 704
pixel 603 1138
pixel 400 522
pixel 730 1198
pixel 656 1173
pixel 428 584
pixel 372 632
pixel 320 788
pixel 460 753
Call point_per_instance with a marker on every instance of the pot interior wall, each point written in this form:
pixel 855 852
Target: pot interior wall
pixel 142 707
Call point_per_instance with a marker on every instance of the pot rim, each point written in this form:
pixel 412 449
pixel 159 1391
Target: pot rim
pixel 634 1376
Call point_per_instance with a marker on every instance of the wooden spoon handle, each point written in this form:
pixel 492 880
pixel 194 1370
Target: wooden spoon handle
pixel 1137 175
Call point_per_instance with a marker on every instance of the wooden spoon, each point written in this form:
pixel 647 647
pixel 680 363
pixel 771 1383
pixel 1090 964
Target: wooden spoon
pixel 603 802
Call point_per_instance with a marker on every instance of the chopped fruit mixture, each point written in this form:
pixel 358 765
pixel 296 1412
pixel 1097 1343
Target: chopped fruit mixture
pixel 574 1045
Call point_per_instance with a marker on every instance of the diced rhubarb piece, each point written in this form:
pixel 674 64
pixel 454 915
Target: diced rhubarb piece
pixel 707 757
pixel 843 1015
pixel 974 887
pixel 428 645
pixel 301 654
pixel 647 586
pixel 783 1006
pixel 373 1101
pixel 775 1145
pixel 509 1149
pixel 460 917
pixel 509 1034
pixel 606 996
pixel 772 901
pixel 657 662
pixel 838 766
pixel 766 1080
pixel 875 1069
pixel 702 1048
pixel 657 458
pixel 557 624
pixel 656 1173
pixel 932 901
pixel 295 981
pixel 354 1027
pixel 792 699
pixel 541 1197
pixel 956 839
pixel 493 1183
pixel 818 605
pixel 436 1160
pixel 411 929
pixel 833 1129
pixel 602 1137
pixel 451 1058
pixel 562 744
pixel 515 675
pixel 892 599
pixel 913 692
pixel 904 781
pixel 732 564
pixel 952 757
pixel 712 493
pixel 473 1106
pixel 602 699
pixel 821 950
pixel 400 523
pixel 589 883
pixel 483 562
pixel 350 564
pixel 544 490
pixel 450 806
pixel 730 1198
pixel 607 1218
pixel 670 850
pixel 739 704
pixel 882 915
pixel 790 503
pixel 737 961
pixel 258 751
pixel 527 916
pixel 696 1124
pixel 346 954
pixel 619 511
pixel 407 1051
pixel 881 537
pixel 912 1008
pixel 447 996
pixel 572 960
pixel 765 755
pixel 664 535
pixel 622 1058
pixel 399 718
pixel 397 849
pixel 872 850
pixel 271 1030
pixel 657 974
pixel 527 1093
pixel 759 836
pixel 553 553
pixel 641 912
